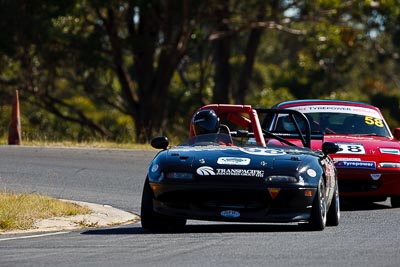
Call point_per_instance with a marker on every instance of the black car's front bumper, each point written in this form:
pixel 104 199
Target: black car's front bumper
pixel 240 202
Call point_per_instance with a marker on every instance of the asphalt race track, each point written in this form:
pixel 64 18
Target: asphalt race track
pixel 368 235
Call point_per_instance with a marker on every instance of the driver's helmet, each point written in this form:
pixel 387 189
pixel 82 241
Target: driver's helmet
pixel 288 124
pixel 205 121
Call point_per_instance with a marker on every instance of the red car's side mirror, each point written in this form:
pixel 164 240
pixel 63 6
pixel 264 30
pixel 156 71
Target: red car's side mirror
pixel 397 133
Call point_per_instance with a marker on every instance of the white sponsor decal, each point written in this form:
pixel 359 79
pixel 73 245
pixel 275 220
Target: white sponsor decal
pixel 205 170
pixel 240 172
pixel 350 148
pixel 375 176
pixel 154 168
pixel 263 151
pixel 311 173
pixel 233 161
pixel 230 213
pixel 390 151
pixel 338 109
pixel 344 159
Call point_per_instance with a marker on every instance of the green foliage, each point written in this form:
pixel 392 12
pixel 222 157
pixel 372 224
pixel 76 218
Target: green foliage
pixel 85 73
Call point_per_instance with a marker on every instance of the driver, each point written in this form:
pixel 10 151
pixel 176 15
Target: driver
pixel 289 126
pixel 205 121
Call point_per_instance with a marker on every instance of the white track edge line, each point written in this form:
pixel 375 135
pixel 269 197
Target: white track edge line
pixel 33 236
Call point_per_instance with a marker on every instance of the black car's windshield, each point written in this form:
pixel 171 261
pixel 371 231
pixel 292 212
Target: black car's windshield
pixel 342 123
pixel 218 140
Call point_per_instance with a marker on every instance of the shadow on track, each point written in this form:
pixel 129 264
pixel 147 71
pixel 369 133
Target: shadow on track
pixel 362 204
pixel 136 229
pixel 206 228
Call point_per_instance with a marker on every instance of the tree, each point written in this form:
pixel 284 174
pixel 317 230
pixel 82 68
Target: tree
pixel 141 41
pixel 104 68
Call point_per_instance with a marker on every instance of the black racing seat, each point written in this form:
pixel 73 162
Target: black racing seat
pixel 224 129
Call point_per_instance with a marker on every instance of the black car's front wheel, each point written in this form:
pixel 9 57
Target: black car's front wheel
pixel 153 221
pixel 318 216
pixel 333 216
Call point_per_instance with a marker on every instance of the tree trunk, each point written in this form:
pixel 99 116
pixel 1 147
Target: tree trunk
pixel 221 57
pixel 250 54
pixel 245 75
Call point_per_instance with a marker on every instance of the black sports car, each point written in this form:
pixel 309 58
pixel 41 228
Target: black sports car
pixel 229 174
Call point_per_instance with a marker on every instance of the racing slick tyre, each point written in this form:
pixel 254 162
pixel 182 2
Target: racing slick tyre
pixel 333 216
pixel 318 216
pixel 395 201
pixel 153 221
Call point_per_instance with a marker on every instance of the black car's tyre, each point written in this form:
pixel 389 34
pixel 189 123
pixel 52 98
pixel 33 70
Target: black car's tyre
pixel 395 201
pixel 318 213
pixel 333 216
pixel 153 221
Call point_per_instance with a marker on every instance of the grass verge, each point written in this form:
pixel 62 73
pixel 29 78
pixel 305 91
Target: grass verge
pixel 19 211
pixel 82 144
pixel 70 144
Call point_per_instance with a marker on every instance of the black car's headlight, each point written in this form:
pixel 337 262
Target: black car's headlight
pixel 179 175
pixel 156 178
pixel 389 165
pixel 281 179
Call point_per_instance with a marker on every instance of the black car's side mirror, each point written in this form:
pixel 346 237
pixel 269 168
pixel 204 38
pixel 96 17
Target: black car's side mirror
pixel 159 142
pixel 329 148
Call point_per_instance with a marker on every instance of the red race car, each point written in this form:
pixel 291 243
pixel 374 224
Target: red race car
pixel 368 161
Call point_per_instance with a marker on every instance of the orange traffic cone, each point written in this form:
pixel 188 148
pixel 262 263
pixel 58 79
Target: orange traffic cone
pixel 14 129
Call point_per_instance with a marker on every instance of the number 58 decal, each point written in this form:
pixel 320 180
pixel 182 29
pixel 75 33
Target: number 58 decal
pixel 373 121
pixel 350 148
